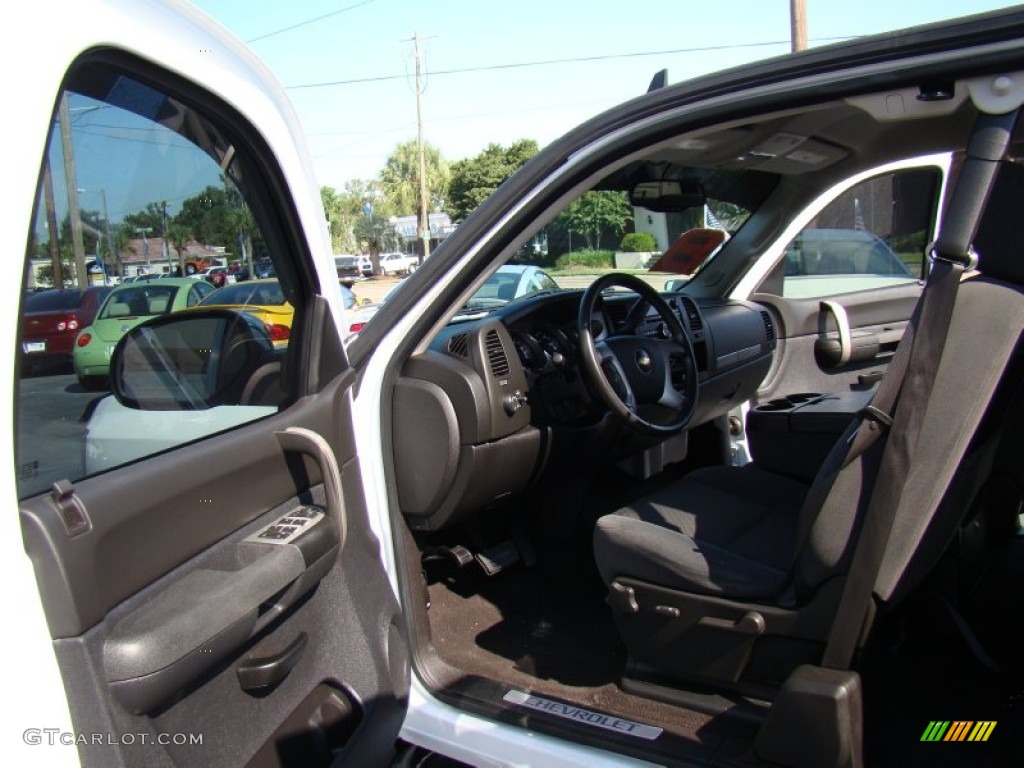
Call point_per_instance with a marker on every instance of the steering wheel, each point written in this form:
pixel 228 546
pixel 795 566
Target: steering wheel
pixel 649 382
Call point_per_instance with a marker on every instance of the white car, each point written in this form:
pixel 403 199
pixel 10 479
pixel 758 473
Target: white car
pixel 589 527
pixel 398 263
pixel 508 283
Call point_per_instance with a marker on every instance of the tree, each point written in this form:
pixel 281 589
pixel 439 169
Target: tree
pixel 597 214
pixel 243 224
pixel 376 234
pixel 345 207
pixel 121 235
pixel 178 235
pixel 474 179
pixel 150 217
pixel 638 242
pixel 729 215
pixel 206 216
pixel 399 180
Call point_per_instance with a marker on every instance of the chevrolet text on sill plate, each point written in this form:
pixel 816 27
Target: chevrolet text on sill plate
pixel 585 716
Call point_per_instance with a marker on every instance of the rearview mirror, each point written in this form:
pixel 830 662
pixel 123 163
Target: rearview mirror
pixel 667 196
pixel 189 361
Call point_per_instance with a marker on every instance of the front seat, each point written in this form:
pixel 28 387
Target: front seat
pixel 733 575
pixel 506 291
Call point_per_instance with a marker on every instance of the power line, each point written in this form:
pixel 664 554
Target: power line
pixel 310 21
pixel 548 62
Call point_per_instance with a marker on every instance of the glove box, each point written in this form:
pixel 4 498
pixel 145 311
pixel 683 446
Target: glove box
pixel 792 435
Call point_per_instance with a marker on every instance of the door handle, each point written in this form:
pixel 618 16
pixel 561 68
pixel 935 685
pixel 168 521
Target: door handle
pixel 837 310
pixel 310 443
pixel 266 672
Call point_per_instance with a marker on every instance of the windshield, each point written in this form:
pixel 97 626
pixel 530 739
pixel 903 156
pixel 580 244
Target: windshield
pixel 141 301
pixel 611 229
pixel 664 240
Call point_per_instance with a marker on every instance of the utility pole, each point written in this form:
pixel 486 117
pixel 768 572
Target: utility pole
pixel 163 231
pixel 64 119
pixel 111 247
pixel 145 246
pixel 798 24
pixel 423 223
pixel 51 224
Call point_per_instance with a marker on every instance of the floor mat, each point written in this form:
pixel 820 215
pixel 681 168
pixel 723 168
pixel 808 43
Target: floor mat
pixel 546 630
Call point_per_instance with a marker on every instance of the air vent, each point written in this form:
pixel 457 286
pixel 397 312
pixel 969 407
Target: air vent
pixel 618 311
pixel 496 354
pixel 458 345
pixel 769 326
pixel 692 315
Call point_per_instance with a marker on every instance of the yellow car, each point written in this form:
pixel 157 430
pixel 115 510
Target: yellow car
pixel 263 299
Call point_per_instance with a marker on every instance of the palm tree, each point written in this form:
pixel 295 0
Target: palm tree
pixel 376 234
pixel 400 180
pixel 243 223
pixel 178 236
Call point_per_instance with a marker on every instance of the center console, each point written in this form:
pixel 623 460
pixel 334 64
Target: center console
pixel 792 435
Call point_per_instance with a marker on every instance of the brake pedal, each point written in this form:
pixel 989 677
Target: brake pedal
pixel 458 553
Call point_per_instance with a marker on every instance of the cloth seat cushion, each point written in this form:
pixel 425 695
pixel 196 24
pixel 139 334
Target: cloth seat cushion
pixel 728 531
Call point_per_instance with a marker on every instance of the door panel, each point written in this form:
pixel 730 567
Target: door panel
pixel 846 285
pixel 167 535
pixel 876 320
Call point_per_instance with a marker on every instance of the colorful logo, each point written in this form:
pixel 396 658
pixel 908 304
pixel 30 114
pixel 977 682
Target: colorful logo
pixel 958 730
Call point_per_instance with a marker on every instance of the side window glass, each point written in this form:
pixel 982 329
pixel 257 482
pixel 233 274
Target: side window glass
pixel 198 292
pixel 545 283
pixel 871 236
pixel 135 184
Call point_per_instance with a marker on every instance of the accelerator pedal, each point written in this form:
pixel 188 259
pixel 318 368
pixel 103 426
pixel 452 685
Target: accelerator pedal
pixel 496 558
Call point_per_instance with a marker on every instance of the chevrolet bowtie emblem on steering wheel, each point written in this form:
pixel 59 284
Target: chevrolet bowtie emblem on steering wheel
pixel 643 361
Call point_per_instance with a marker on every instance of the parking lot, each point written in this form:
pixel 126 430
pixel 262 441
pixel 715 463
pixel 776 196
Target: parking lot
pixel 51 429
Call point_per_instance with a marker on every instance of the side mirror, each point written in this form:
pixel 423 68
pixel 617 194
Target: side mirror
pixel 189 361
pixel 675 284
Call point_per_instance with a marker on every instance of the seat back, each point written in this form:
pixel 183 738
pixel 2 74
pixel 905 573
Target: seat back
pixel 959 433
pixel 157 305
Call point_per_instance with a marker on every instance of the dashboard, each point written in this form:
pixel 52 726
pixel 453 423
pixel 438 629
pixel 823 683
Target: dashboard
pixel 500 403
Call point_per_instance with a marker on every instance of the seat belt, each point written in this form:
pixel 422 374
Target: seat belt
pixel 908 381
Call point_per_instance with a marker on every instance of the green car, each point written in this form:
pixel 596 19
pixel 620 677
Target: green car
pixel 125 307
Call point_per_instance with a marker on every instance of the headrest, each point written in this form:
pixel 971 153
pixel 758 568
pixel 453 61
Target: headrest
pixel 1000 238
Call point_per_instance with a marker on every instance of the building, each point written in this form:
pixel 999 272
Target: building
pixel 440 227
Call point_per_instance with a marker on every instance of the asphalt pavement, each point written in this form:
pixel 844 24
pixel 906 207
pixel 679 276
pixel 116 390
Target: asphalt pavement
pixel 51 431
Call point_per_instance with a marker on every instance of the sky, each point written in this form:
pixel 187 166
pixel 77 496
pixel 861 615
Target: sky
pixel 353 126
